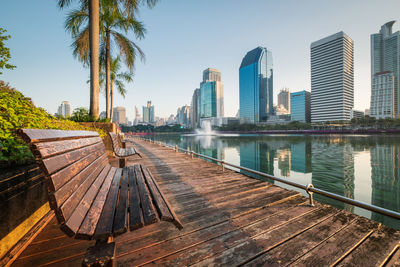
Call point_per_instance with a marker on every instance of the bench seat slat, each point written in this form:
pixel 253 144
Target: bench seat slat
pixel 120 219
pixel 121 152
pixel 105 224
pixel 175 220
pixel 149 213
pixel 88 226
pixel 58 162
pixel 60 196
pixel 40 135
pixel 48 149
pixel 58 179
pixel 135 213
pixel 79 213
pixel 72 202
pixel 158 200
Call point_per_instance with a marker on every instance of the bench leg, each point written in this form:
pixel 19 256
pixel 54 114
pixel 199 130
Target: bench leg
pixel 122 162
pixel 101 254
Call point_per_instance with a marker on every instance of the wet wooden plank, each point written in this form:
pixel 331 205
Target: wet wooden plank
pixel 105 224
pixel 81 208
pixel 339 245
pixel 266 241
pixel 187 249
pixel 58 162
pixel 120 220
pixel 135 212
pixel 60 178
pixel 149 213
pixel 88 227
pixel 40 135
pixel 77 189
pixel 48 149
pixel 375 250
pixel 305 242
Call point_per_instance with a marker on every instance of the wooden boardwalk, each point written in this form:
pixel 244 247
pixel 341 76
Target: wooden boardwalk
pixel 229 220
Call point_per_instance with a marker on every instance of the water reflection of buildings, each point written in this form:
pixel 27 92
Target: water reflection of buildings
pixel 385 180
pixel 333 171
pixel 257 156
pixel 301 157
pixel 284 161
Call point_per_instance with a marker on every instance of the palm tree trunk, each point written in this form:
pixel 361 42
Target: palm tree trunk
pixel 94 57
pixel 112 101
pixel 108 75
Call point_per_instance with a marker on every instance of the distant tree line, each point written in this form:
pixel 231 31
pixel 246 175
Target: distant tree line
pixel 150 129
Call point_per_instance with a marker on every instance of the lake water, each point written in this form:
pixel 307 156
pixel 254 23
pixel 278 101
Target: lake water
pixel 362 167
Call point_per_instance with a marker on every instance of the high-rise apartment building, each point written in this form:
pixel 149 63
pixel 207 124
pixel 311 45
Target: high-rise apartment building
pixel 119 115
pixel 148 113
pixel 64 110
pixel 284 99
pixel 300 106
pixel 211 94
pixel 332 78
pixel 385 72
pixel 183 116
pixel 256 85
pixel 194 109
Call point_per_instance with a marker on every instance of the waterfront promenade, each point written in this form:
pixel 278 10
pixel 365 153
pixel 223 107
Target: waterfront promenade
pixel 229 219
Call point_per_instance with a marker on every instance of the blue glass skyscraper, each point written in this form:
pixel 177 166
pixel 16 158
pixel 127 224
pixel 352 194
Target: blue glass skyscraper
pixel 256 85
pixel 300 106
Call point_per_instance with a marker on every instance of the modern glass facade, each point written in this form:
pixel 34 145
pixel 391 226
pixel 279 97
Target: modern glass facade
pixel 256 85
pixel 385 73
pixel 300 106
pixel 211 102
pixel 148 113
pixel 208 100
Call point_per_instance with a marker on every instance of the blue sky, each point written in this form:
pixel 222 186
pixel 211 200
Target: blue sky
pixel 185 37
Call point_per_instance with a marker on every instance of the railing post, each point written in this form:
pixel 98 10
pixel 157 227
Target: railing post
pixel 223 166
pixel 191 154
pixel 176 148
pixel 310 194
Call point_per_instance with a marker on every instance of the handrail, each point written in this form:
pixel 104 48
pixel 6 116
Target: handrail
pixel 310 189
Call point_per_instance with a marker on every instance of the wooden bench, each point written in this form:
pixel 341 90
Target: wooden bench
pixel 121 152
pixel 91 199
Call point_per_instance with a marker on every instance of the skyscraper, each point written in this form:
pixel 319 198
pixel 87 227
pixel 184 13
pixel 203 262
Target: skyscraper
pixel 332 78
pixel 64 109
pixel 300 103
pixel 385 72
pixel 148 113
pixel 119 115
pixel 284 99
pixel 256 85
pixel 194 109
pixel 211 94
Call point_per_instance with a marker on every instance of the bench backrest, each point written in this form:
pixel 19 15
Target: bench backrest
pixel 114 140
pixel 72 162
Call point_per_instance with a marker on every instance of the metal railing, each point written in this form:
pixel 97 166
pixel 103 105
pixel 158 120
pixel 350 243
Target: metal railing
pixel 310 189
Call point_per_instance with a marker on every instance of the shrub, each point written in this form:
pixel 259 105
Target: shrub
pixel 18 111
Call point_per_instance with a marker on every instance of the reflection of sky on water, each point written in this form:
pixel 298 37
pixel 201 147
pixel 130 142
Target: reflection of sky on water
pixel 362 167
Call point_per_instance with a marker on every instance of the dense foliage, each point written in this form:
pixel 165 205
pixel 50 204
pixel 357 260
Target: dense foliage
pixel 18 111
pixel 82 115
pixel 4 51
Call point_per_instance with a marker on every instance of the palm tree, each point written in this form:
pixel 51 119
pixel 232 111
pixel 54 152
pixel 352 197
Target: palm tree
pixel 113 25
pixel 131 7
pixel 118 79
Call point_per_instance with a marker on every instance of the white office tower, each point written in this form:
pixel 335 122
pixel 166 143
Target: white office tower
pixel 332 78
pixel 385 72
pixel 64 109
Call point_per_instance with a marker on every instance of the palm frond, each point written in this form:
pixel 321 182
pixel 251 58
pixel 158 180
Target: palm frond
pixel 120 87
pixel 74 21
pixel 128 50
pixel 126 76
pixel 81 47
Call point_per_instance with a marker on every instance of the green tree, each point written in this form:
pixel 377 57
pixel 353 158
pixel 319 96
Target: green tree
pixel 130 7
pixel 4 51
pixel 118 79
